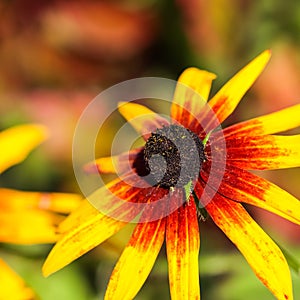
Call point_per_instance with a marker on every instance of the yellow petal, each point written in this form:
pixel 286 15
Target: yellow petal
pixel 28 226
pixel 196 79
pixel 191 95
pixel 12 286
pixel 183 243
pixel 120 164
pixel 80 240
pixel 264 152
pixel 80 215
pixel 141 118
pixel 16 143
pixel 87 227
pixel 228 97
pixel 136 261
pixel 279 121
pixel 262 254
pixel 20 200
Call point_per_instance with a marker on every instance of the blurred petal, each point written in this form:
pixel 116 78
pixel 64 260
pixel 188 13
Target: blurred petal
pixel 20 200
pixel 278 121
pixel 141 118
pixel 119 164
pixel 28 226
pixel 12 286
pixel 262 254
pixel 191 95
pixel 264 152
pixel 183 243
pixel 228 97
pixel 137 260
pixel 16 143
pixel 243 186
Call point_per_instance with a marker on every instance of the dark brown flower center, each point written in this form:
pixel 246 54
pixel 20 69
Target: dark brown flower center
pixel 173 156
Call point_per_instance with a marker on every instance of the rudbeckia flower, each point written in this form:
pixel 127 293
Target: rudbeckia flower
pixel 190 188
pixel 26 217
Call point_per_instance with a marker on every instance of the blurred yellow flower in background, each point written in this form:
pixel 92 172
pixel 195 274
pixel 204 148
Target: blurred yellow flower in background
pixel 12 286
pixel 26 217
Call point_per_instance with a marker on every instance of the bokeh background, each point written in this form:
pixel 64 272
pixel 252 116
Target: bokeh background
pixel 56 56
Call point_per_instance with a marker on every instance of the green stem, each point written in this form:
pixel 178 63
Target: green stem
pixel 206 138
pixel 201 211
pixel 187 190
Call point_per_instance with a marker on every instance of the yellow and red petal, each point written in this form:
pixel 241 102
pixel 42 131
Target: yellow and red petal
pixel 141 118
pixel 16 143
pixel 119 164
pixel 243 186
pixel 275 122
pixel 262 254
pixel 114 200
pixel 95 229
pixel 264 152
pixel 14 200
pixel 137 260
pixel 191 95
pixel 12 285
pixel 183 244
pixel 91 229
pixel 228 97
pixel 28 227
pixel 87 226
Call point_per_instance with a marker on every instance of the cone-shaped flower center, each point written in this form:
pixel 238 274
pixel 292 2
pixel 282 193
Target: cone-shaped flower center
pixel 173 156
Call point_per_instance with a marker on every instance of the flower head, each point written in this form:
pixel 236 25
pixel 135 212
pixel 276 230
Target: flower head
pixel 218 181
pixel 26 217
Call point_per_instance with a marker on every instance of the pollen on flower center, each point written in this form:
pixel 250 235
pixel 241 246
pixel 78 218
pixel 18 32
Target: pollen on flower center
pixel 173 156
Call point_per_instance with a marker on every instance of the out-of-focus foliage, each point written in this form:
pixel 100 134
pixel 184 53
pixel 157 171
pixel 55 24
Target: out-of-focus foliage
pixel 56 56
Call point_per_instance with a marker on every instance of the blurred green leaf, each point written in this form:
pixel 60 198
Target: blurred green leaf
pixel 291 260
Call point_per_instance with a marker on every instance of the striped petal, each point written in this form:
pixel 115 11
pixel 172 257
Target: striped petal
pixel 87 227
pixel 141 118
pixel 28 226
pixel 19 200
pixel 17 142
pixel 13 286
pixel 119 164
pixel 191 95
pixel 243 186
pixel 262 254
pixel 228 97
pixel 279 121
pixel 264 152
pixel 137 260
pixel 183 243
